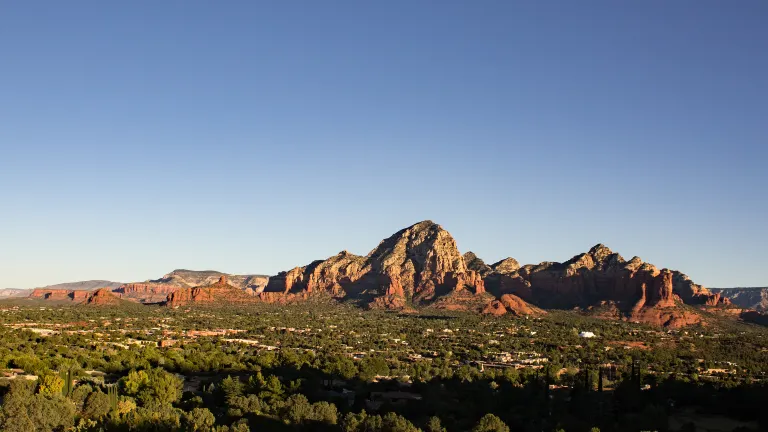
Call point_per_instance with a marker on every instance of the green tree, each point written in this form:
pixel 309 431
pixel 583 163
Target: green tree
pixel 199 420
pixel 96 405
pixel 50 384
pixel 162 387
pixel 231 388
pixel 490 423
pixel 434 425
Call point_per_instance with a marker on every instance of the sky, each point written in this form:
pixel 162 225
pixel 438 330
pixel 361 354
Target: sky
pixel 252 137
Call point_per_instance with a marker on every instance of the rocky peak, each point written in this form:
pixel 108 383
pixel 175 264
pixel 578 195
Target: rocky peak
pixel 425 246
pixel 474 263
pixel 102 296
pixel 508 265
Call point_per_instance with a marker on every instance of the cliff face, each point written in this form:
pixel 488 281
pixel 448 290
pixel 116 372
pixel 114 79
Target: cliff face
pixel 102 297
pixel 509 303
pixel 640 291
pixel 14 292
pixel 420 263
pixel 692 293
pixel 220 292
pixel 192 278
pixel 145 292
pixel 589 278
pixel 747 298
pixel 59 294
pixel 156 291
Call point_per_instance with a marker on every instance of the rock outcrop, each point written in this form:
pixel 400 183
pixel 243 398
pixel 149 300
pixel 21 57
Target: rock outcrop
pixel 220 293
pixel 637 290
pixel 418 264
pixel 747 298
pixel 157 290
pixel 59 294
pixel 476 264
pixel 692 293
pixel 146 292
pixel 192 278
pixel 102 297
pixel 14 293
pixel 509 303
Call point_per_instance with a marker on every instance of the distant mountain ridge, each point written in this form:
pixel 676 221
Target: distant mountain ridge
pixel 749 298
pixel 14 292
pixel 193 278
pixel 88 285
pixel 421 266
pixel 159 290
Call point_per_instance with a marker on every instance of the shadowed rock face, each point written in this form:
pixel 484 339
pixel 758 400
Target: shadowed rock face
pixel 748 298
pixel 640 291
pixel 420 263
pixel 476 264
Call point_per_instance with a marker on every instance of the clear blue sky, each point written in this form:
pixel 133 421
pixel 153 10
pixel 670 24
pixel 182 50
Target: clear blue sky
pixel 247 136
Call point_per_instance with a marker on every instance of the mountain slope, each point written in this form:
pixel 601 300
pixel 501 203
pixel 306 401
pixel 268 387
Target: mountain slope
pixel 14 292
pixel 89 285
pixel 637 290
pixel 748 298
pixel 220 292
pixel 418 264
pixel 191 278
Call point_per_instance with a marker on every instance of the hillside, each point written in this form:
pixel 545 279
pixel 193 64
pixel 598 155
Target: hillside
pixel 88 285
pixel 422 266
pixel 748 298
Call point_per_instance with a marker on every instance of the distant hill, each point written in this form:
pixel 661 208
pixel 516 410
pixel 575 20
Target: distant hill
pixel 89 285
pixel 749 297
pixel 193 278
pixel 13 292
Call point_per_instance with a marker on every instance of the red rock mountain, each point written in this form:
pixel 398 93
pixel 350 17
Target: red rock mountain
pixel 157 290
pixel 510 303
pixel 422 266
pixel 638 290
pixel 418 264
pixel 145 292
pixel 103 297
pixel 59 294
pixel 220 292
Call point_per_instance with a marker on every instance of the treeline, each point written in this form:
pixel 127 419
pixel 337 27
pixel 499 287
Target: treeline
pixel 315 397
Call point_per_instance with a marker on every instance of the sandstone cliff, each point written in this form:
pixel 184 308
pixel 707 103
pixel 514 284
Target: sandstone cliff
pixel 510 303
pixel 157 290
pixel 638 290
pixel 59 294
pixel 102 297
pixel 221 293
pixel 692 293
pixel 747 298
pixel 191 278
pixel 146 292
pixel 419 264
pixel 14 292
